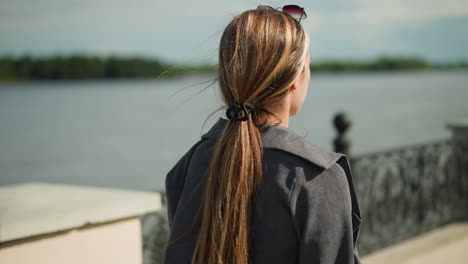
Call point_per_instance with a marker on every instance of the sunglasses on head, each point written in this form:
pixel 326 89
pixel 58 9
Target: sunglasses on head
pixel 295 11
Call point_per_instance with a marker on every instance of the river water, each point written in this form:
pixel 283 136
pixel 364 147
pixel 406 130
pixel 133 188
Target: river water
pixel 128 134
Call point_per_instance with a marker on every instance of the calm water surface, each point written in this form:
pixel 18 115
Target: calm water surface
pixel 128 134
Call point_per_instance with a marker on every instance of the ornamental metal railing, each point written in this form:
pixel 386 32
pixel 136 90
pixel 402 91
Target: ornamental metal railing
pixel 408 191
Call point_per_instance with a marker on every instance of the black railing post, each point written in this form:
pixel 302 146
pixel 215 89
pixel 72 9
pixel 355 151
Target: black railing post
pixel 459 130
pixel 342 123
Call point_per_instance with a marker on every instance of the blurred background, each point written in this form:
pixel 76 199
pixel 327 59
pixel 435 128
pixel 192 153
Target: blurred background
pixel 112 93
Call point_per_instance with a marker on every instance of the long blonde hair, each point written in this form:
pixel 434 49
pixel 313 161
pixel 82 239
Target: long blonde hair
pixel 261 54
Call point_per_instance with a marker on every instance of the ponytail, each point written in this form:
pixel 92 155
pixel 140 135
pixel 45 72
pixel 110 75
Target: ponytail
pixel 226 209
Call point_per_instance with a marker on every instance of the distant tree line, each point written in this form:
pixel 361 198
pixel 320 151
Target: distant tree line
pixel 94 67
pixel 90 67
pixel 384 64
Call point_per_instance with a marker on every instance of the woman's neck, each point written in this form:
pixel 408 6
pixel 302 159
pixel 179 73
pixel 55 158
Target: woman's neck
pixel 280 113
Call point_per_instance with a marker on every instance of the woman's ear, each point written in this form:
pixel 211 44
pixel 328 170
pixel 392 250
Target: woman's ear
pixel 293 87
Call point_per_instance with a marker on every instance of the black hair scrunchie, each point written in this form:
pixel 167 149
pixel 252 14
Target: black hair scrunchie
pixel 239 112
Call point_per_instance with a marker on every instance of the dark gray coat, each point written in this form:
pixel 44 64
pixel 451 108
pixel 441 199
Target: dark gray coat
pixel 306 208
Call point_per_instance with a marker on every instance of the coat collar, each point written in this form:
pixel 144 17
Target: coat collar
pixel 284 139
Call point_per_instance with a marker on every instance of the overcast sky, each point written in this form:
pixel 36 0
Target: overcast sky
pixel 189 31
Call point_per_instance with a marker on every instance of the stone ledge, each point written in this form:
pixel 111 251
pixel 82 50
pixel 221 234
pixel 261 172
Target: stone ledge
pixel 33 209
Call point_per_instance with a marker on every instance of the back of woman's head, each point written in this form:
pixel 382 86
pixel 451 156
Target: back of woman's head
pixel 261 54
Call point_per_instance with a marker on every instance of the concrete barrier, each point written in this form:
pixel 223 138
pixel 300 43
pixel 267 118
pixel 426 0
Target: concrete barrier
pixel 57 223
